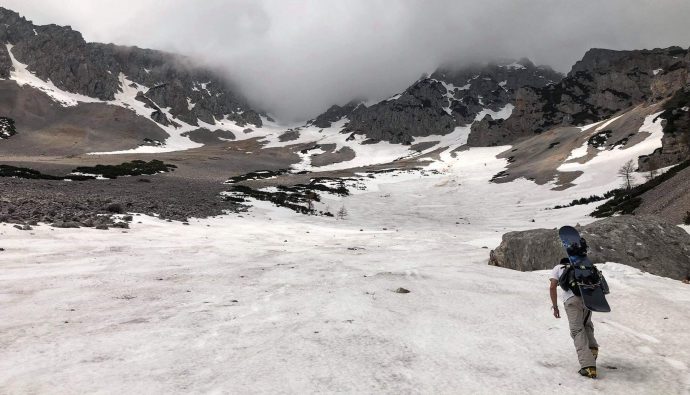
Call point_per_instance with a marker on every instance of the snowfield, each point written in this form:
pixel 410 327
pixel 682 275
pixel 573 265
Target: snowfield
pixel 275 302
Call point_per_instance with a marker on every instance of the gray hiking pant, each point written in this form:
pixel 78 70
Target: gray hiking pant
pixel 581 330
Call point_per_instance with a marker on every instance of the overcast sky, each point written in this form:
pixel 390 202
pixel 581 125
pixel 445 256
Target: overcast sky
pixel 296 58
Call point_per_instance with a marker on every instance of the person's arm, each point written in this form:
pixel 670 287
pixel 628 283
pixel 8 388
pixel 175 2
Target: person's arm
pixel 554 298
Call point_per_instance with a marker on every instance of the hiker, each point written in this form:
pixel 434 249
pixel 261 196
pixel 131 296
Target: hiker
pixel 579 320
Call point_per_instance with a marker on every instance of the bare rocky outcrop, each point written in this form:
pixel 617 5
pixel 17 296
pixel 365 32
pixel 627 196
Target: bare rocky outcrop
pixel 328 158
pixel 435 105
pixel 334 114
pixel 676 140
pixel 644 242
pixel 417 112
pixel 603 83
pixel 207 137
pixel 5 63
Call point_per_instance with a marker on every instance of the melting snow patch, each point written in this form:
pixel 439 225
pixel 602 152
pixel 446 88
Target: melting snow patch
pixel 601 172
pixel 579 152
pixel 657 71
pixel 503 113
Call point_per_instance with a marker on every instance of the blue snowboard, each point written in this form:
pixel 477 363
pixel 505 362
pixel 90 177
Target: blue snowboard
pixel 592 285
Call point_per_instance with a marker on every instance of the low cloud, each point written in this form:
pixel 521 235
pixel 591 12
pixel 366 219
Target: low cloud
pixel 295 59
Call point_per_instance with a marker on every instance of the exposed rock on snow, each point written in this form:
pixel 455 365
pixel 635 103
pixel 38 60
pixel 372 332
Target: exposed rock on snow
pixel 438 104
pixel 603 83
pixel 61 55
pixel 334 114
pixel 644 242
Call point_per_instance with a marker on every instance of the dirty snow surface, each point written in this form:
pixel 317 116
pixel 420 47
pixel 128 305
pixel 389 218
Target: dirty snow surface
pixel 276 302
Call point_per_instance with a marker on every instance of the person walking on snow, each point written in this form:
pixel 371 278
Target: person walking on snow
pixel 579 321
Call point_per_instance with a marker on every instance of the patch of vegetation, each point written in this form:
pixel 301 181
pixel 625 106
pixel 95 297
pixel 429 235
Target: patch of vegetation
pixel 622 142
pixel 599 139
pixel 299 198
pixel 587 200
pixel 686 220
pixel 298 201
pixel 322 184
pixel 627 201
pixel 23 172
pixel 133 168
pixel 256 175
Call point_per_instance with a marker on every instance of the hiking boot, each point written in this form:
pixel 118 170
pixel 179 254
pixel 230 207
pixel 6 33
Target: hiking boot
pixel 595 352
pixel 589 371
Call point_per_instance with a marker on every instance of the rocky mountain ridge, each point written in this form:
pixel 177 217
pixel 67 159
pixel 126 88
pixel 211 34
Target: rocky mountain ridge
pixel 435 105
pixel 61 55
pixel 600 85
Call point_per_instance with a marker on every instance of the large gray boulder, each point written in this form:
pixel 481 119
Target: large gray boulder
pixel 647 243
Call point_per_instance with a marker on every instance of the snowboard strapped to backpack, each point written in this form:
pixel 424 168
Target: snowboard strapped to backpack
pixel 580 275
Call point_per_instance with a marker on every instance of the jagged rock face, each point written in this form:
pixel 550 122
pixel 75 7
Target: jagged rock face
pixel 448 98
pixel 494 85
pixel 419 111
pixel 333 114
pixel 644 242
pixel 5 63
pixel 61 55
pixel 676 140
pixel 601 84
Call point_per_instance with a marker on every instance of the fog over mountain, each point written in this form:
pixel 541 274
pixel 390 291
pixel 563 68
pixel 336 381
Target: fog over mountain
pixel 295 59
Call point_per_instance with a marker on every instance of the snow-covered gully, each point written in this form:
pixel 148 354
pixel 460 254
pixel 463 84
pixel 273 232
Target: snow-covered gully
pixel 276 302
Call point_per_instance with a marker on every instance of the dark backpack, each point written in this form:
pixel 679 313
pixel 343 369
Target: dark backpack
pixel 567 279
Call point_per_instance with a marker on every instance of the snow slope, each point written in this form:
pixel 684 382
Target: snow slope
pixel 275 302
pixel 600 171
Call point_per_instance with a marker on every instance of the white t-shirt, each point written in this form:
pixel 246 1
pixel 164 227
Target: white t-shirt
pixel 556 274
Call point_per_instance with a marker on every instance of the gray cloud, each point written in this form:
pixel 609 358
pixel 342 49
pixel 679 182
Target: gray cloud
pixel 296 58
